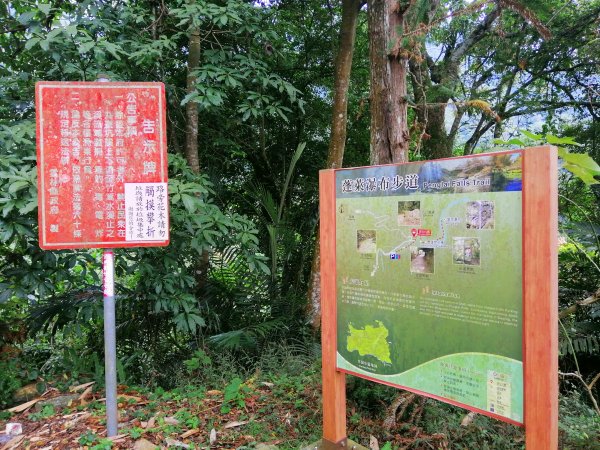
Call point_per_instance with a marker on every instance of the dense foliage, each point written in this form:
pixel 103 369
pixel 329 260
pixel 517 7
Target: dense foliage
pixel 263 90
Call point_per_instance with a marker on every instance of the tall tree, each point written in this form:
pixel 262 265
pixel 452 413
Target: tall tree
pixel 337 141
pixel 191 108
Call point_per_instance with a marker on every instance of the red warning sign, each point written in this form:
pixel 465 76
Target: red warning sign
pixel 102 165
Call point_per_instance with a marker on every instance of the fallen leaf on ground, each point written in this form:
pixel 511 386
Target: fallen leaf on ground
pixel 213 436
pixel 72 422
pixel 24 406
pixel 81 387
pixel 118 437
pixel 468 419
pixel 127 397
pixel 171 420
pixel 373 443
pixel 234 424
pixel 189 433
pixel 144 444
pixel 175 443
pixel 13 443
pixel 86 394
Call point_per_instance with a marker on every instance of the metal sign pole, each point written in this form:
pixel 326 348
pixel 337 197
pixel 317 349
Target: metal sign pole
pixel 110 342
pixel 110 333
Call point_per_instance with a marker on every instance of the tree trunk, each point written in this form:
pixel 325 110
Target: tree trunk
pixel 389 118
pixel 191 107
pixel 191 136
pixel 431 107
pixel 337 143
pixel 439 144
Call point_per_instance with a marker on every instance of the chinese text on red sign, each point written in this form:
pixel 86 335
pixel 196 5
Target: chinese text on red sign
pixel 102 165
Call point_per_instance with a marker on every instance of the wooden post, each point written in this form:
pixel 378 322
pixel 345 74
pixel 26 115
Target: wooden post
pixel 334 382
pixel 540 297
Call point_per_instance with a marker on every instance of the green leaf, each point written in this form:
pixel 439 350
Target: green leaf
pixel 44 8
pixel 190 97
pixel 112 49
pixel 582 160
pixel 55 32
pixel 551 139
pixel 23 230
pixel 208 238
pixel 31 43
pixel 26 17
pixel 28 207
pixel 71 30
pixel 189 202
pixel 515 141
pixel 17 186
pixel 86 47
pixel 581 165
pixel 584 175
pixel 191 324
pixel 535 137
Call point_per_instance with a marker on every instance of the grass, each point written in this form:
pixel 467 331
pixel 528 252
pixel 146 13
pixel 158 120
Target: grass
pixel 276 400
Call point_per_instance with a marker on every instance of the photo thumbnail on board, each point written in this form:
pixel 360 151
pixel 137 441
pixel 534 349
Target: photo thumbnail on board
pixel 480 215
pixel 466 251
pixel 366 241
pixel 421 260
pixel 409 213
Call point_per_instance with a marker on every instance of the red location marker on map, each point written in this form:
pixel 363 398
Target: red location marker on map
pixel 413 232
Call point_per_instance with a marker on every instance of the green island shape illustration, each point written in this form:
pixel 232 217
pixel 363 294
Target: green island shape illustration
pixel 370 341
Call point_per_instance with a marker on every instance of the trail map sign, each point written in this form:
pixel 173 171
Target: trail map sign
pixel 429 279
pixel 440 277
pixel 102 165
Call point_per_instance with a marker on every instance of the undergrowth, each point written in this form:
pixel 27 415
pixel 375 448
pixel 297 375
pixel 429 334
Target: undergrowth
pixel 277 396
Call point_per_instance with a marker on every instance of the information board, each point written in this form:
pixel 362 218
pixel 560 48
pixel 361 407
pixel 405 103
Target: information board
pixel 429 279
pixel 102 165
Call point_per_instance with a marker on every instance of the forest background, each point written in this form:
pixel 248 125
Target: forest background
pixel 261 96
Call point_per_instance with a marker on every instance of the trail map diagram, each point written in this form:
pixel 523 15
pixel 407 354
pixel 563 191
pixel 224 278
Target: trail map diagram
pixel 428 263
pixel 422 234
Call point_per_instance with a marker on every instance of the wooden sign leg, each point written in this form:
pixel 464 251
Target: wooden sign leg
pixel 334 382
pixel 540 297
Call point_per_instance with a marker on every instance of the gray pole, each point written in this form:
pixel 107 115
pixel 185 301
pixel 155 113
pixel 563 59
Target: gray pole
pixel 110 334
pixel 110 343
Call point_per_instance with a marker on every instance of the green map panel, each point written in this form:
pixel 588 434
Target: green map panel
pixel 429 267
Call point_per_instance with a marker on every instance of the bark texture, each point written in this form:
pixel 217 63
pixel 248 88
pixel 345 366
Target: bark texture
pixel 192 154
pixel 191 108
pixel 388 103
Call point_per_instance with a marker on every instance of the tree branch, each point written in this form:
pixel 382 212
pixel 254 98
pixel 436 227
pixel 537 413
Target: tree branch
pixel 585 302
pixel 478 33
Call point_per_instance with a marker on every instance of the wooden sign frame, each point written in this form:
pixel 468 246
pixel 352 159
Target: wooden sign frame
pixel 540 304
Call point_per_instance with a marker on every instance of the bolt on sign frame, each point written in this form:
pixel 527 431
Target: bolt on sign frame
pixel 441 278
